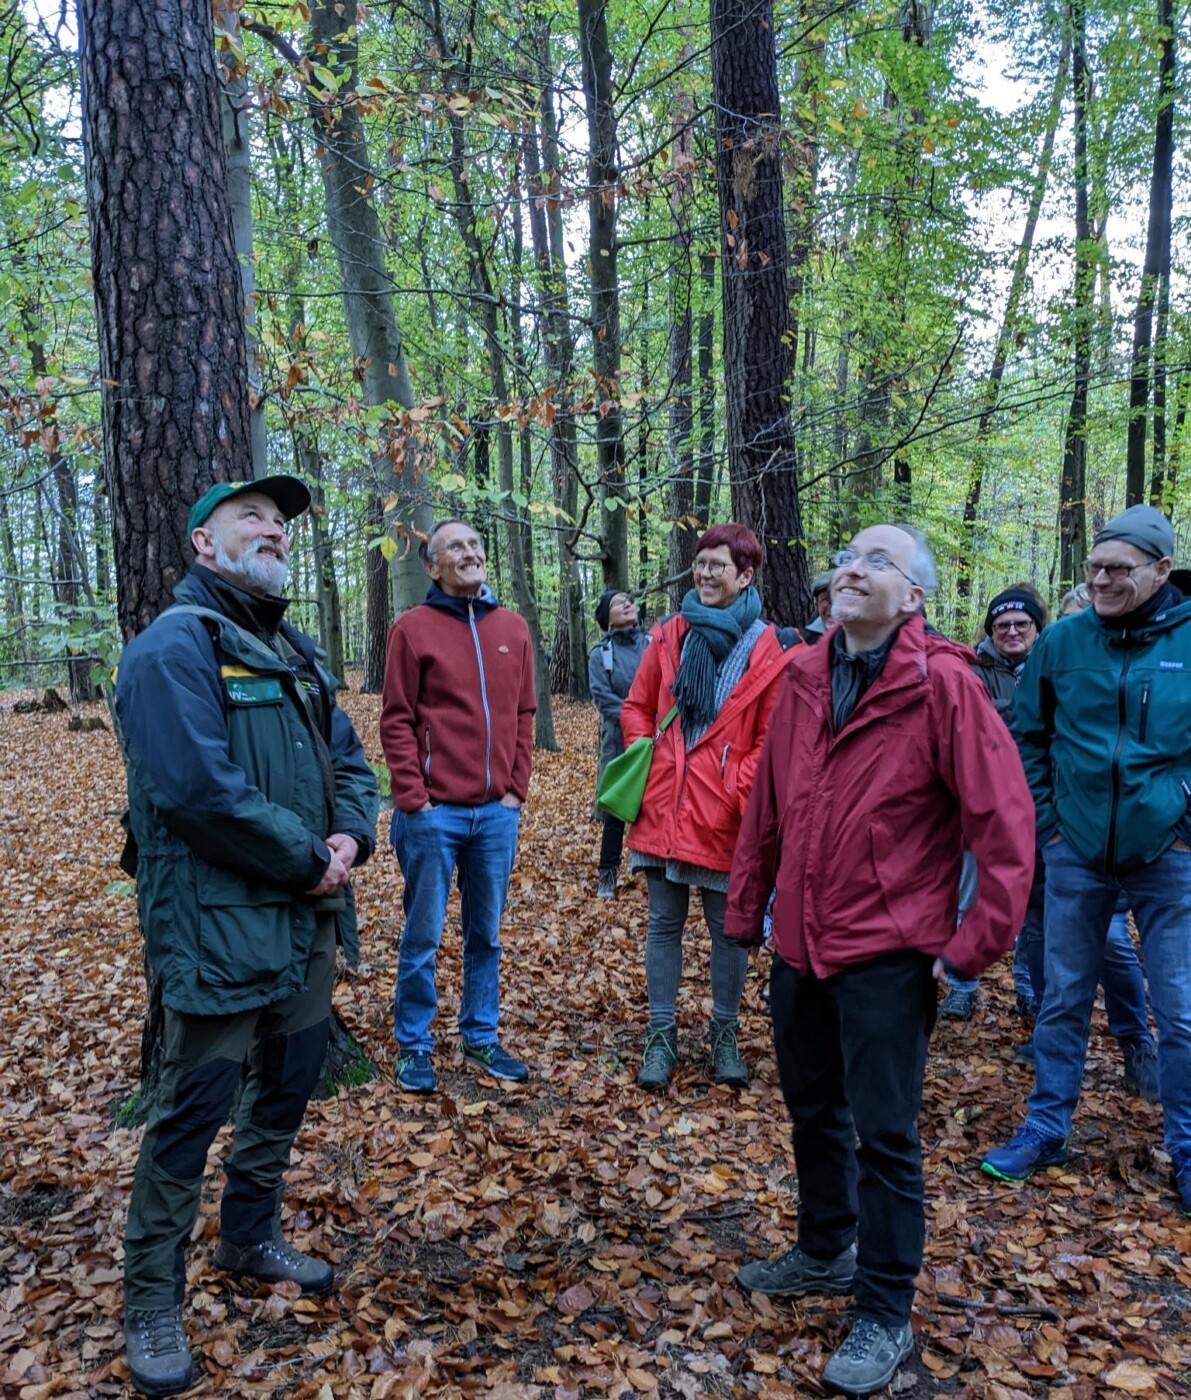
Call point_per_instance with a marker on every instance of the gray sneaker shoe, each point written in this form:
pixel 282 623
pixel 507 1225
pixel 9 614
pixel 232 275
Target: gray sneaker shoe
pixel 660 1058
pixel 158 1358
pixel 727 1067
pixel 795 1272
pixel 1141 1068
pixel 869 1357
pixel 606 889
pixel 274 1261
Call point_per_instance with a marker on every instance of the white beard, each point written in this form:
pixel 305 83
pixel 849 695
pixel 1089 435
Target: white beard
pixel 257 572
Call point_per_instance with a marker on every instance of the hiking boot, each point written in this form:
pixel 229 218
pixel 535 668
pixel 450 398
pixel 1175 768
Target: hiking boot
pixel 796 1272
pixel 1024 1154
pixel 726 1065
pixel 1024 1054
pixel 606 889
pixel 159 1360
pixel 660 1058
pixel 493 1060
pixel 869 1357
pixel 275 1261
pixel 1023 1006
pixel 1141 1068
pixel 958 1005
pixel 415 1072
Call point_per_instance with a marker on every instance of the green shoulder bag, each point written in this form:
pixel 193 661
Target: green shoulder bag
pixel 622 783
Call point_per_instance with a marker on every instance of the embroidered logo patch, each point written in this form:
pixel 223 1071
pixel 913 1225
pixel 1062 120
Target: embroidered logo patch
pixel 245 687
pixel 1170 665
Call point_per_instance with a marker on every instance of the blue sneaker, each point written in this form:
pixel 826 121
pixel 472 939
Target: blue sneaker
pixel 497 1062
pixel 415 1072
pixel 1024 1154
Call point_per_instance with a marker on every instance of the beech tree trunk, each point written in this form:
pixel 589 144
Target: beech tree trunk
pixel 1073 526
pixel 754 262
pixel 683 521
pixel 168 293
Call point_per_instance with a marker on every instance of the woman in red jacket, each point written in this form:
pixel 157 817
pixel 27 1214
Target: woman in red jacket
pixel 718 663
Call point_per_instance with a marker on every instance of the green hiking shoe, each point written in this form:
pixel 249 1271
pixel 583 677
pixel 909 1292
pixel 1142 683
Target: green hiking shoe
pixel 660 1058
pixel 727 1067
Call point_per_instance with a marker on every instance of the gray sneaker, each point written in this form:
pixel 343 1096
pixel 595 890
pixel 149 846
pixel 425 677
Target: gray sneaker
pixel 274 1261
pixel 159 1360
pixel 727 1066
pixel 869 1357
pixel 606 889
pixel 660 1058
pixel 795 1272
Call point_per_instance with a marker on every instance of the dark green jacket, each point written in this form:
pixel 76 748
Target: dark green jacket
pixel 233 783
pixel 1102 718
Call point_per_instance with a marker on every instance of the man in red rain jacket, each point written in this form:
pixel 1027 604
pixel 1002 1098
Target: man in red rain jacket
pixel 883 762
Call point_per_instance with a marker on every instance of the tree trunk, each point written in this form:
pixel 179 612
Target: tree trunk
pixel 1156 270
pixel 682 481
pixel 1009 322
pixel 168 293
pixel 602 196
pixel 1073 483
pixel 754 257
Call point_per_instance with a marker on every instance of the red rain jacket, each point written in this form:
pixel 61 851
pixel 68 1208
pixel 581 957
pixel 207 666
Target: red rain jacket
pixel 862 832
pixel 694 800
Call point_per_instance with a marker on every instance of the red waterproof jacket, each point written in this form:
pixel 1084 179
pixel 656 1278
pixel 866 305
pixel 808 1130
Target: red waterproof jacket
pixel 862 832
pixel 695 799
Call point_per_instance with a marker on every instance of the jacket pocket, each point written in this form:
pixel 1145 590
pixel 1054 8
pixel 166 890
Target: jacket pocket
pixel 244 929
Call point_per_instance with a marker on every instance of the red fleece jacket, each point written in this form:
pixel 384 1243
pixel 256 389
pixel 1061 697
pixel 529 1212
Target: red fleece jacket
pixel 456 720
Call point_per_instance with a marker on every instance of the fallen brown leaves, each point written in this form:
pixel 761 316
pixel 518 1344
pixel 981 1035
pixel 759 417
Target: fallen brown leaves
pixel 570 1237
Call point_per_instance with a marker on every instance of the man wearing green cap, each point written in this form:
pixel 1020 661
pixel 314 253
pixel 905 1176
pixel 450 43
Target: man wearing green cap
pixel 250 801
pixel 1100 718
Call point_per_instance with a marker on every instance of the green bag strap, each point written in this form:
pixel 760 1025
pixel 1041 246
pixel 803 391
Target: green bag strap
pixel 665 724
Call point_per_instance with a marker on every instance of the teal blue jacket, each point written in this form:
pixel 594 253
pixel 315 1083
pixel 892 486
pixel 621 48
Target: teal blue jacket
pixel 240 764
pixel 1102 718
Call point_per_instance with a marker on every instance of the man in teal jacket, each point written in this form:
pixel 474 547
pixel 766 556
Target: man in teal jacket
pixel 1101 722
pixel 250 801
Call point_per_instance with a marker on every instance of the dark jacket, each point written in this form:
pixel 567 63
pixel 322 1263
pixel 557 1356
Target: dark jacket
pixel 862 832
pixel 456 720
pixel 999 676
pixel 610 671
pixel 234 782
pixel 1102 721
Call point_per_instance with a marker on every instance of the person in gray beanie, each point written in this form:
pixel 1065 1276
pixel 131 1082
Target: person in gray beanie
pixel 1100 722
pixel 821 592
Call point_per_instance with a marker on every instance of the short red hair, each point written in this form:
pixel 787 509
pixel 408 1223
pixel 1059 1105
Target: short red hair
pixel 743 545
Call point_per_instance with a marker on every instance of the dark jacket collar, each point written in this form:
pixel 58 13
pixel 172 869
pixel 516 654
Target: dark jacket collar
pixel 205 588
pixel 477 606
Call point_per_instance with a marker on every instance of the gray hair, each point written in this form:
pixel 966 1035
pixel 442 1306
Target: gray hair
pixel 426 547
pixel 925 574
pixel 1079 596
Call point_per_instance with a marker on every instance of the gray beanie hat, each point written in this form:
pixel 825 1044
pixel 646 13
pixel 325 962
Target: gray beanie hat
pixel 822 581
pixel 1143 526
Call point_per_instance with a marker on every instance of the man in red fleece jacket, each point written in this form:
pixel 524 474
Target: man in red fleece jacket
pixel 883 762
pixel 456 730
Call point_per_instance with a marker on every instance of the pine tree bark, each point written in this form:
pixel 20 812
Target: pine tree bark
pixel 754 263
pixel 168 292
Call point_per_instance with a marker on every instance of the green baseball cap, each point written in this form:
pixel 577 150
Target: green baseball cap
pixel 287 491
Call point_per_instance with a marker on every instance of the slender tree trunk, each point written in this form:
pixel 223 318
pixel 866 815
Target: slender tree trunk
pixel 682 481
pixel 705 462
pixel 1073 483
pixel 602 195
pixel 1010 321
pixel 754 260
pixel 1156 269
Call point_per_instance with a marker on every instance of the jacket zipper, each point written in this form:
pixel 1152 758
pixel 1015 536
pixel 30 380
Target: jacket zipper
pixel 1113 811
pixel 475 636
pixel 724 761
pixel 1145 712
pixel 426 765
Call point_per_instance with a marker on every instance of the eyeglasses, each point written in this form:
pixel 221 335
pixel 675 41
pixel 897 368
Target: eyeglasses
pixel 875 561
pixel 1115 572
pixel 1002 629
pixel 713 568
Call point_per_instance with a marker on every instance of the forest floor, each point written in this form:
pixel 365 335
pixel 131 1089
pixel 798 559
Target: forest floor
pixel 571 1237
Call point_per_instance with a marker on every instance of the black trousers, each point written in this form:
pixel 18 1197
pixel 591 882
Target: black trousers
pixel 851 1052
pixel 611 844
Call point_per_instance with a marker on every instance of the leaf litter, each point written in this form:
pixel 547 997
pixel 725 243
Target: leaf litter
pixel 570 1237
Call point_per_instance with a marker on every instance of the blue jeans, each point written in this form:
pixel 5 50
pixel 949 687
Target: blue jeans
pixel 1080 903
pixel 431 844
